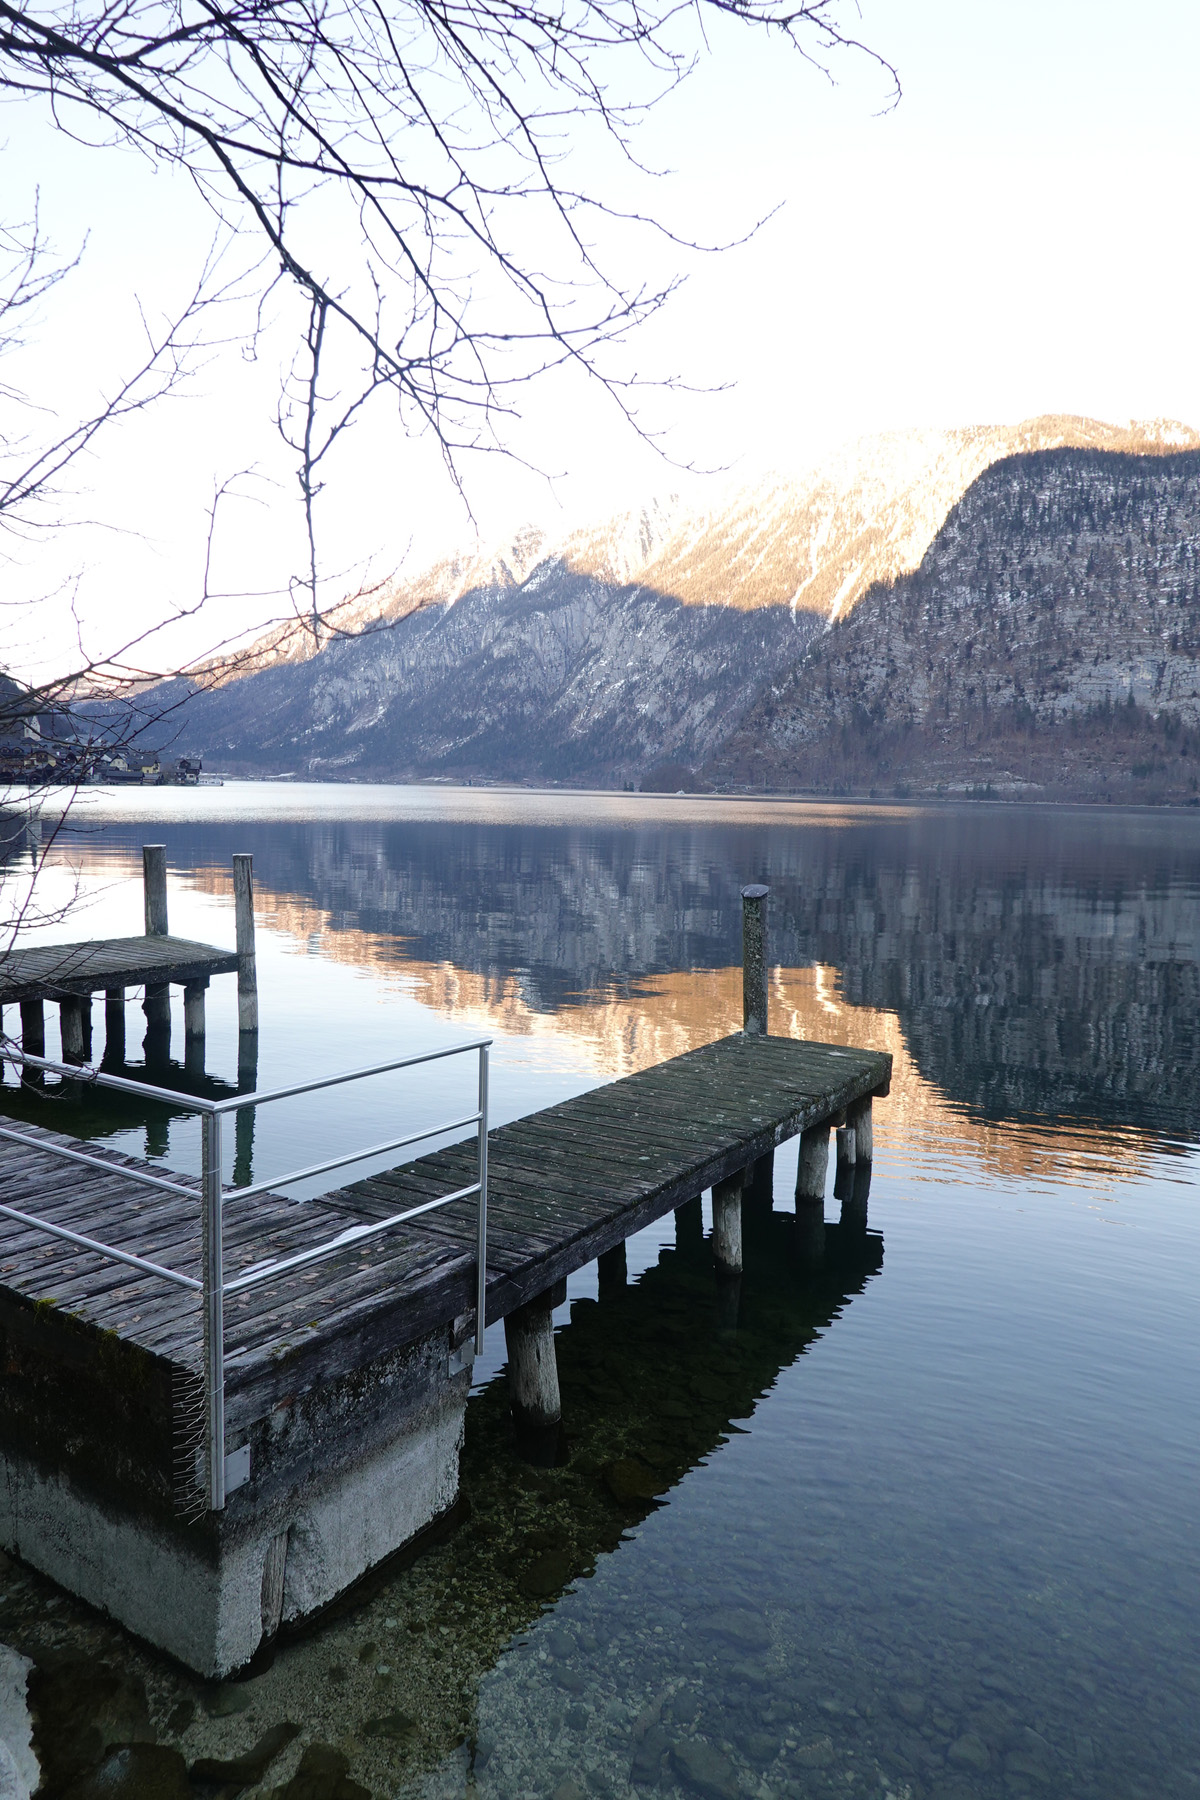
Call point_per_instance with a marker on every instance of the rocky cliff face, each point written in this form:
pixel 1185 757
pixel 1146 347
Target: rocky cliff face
pixel 1049 640
pixel 660 640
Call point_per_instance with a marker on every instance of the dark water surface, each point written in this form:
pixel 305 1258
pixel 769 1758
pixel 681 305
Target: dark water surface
pixel 920 1523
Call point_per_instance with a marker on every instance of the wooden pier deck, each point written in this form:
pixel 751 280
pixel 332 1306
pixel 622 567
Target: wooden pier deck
pixel 53 971
pixel 566 1185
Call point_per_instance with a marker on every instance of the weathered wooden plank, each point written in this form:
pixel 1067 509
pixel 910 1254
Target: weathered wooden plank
pixel 49 970
pixel 566 1185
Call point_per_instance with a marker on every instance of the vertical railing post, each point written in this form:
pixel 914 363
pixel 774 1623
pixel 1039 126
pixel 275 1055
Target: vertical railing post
pixel 481 1230
pixel 754 959
pixel 213 1300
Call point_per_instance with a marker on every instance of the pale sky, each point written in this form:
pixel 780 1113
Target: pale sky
pixel 1018 236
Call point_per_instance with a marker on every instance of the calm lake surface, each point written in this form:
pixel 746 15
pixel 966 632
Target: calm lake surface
pixel 927 1522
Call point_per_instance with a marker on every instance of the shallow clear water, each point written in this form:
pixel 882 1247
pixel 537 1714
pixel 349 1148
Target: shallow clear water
pixel 924 1522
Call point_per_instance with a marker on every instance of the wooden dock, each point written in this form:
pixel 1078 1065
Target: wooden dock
pixel 345 1380
pixel 566 1185
pixel 101 965
pixel 69 974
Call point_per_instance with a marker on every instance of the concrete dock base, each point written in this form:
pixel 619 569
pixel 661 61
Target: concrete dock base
pixel 340 1480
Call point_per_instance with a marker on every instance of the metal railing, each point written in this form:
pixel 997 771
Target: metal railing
pixel 213 1196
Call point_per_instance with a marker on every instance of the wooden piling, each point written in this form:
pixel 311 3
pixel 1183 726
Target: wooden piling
pixel 85 1023
pixel 70 1015
pixel 689 1226
pixel 193 1009
pixel 812 1172
pixel 754 959
pixel 114 1026
pixel 154 888
pixel 612 1270
pixel 533 1366
pixel 727 1225
pixel 157 1007
pixel 33 1038
pixel 243 903
pixel 274 1567
pixel 858 1120
pixel 812 1167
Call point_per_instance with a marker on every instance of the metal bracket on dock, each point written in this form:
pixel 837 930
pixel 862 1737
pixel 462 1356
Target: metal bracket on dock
pixel 237 1468
pixel 463 1357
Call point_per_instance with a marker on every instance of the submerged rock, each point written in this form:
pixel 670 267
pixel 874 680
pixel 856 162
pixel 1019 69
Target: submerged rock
pixel 134 1772
pixel 970 1752
pixel 80 1709
pixel 248 1769
pixel 323 1775
pixel 705 1769
pixel 546 1574
pixel 394 1725
pixel 631 1483
pixel 748 1630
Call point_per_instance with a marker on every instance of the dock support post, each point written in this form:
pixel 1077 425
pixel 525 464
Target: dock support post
pixel 156 1044
pixel 813 1166
pixel 689 1227
pixel 243 906
pixel 157 1007
pixel 855 1196
pixel 193 1008
pixel 154 888
pixel 858 1120
pixel 70 1014
pixel 612 1271
pixel 847 1156
pixel 812 1169
pixel 85 1022
pixel 533 1374
pixel 727 1225
pixel 754 959
pixel 114 1027
pixel 33 1039
pixel 193 1026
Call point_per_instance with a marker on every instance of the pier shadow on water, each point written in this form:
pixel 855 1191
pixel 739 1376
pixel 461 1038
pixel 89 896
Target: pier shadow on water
pixel 657 1375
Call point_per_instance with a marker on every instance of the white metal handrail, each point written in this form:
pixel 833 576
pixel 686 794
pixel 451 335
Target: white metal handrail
pixel 213 1197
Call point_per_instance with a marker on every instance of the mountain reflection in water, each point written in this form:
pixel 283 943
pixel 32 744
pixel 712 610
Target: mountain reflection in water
pixel 1038 964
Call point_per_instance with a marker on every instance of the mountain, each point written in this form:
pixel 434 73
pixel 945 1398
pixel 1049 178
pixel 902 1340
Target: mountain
pixel 633 649
pixel 1048 642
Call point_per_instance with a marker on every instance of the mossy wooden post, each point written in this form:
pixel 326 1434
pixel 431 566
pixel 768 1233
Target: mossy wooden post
pixel 157 1003
pixel 727 1225
pixel 533 1373
pixel 154 888
pixel 754 960
pixel 812 1171
pixel 70 1014
pixel 243 905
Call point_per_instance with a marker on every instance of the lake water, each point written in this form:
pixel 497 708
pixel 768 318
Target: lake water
pixel 927 1523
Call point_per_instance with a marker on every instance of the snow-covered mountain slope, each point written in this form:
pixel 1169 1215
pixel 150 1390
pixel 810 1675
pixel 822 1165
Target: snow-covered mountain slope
pixel 639 641
pixel 1049 641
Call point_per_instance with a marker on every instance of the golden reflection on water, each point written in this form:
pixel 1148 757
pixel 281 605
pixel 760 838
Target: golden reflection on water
pixel 621 1028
